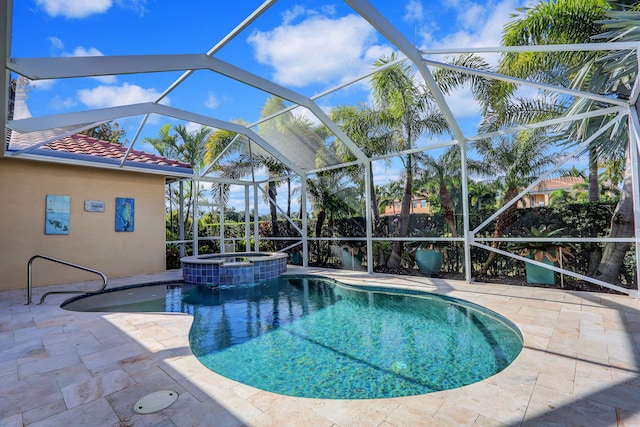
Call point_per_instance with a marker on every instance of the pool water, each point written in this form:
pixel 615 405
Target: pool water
pixel 314 337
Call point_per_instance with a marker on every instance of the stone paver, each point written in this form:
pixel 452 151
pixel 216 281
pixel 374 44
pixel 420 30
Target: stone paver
pixel 580 366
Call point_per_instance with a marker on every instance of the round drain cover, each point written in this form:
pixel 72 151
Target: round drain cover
pixel 156 401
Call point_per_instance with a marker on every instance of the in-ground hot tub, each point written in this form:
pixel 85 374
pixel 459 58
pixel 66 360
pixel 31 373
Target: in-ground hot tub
pixel 233 268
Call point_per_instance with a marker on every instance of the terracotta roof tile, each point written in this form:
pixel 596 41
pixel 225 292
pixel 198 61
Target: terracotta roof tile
pixel 83 144
pixel 551 184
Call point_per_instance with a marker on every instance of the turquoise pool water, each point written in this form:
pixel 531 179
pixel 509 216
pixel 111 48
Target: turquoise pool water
pixel 313 337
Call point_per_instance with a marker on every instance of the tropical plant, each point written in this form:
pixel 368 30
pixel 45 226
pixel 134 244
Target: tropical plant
pixel 330 193
pixel 109 131
pixel 371 131
pixel 515 161
pixel 482 194
pixel 609 73
pixel 539 250
pixel 292 133
pixel 442 175
pixel 165 145
pixel 389 194
pixel 186 146
pixel 412 113
pixel 432 245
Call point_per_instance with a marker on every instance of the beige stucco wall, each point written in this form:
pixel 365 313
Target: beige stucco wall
pixel 92 240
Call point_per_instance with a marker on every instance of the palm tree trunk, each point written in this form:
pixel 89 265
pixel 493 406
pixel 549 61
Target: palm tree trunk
pixel 170 209
pixel 622 225
pixel 272 209
pixel 319 223
pixel 502 222
pixel 288 224
pixel 405 215
pixel 330 230
pixel 594 190
pixel 447 205
pixel 594 195
pixel 377 226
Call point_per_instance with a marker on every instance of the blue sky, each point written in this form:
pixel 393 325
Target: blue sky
pixel 307 46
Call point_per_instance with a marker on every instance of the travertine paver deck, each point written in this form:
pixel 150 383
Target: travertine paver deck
pixel 579 367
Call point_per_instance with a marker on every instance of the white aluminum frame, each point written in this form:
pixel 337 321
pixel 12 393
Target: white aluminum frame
pixel 71 67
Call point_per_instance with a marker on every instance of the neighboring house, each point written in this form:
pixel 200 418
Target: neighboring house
pixel 539 195
pixel 91 174
pixel 419 205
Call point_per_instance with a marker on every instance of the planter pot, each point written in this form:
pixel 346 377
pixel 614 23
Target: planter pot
pixel 350 261
pixel 429 261
pixel 537 275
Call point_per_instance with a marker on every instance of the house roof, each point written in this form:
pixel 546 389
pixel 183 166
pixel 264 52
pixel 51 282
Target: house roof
pixel 547 185
pixel 86 145
pixel 82 147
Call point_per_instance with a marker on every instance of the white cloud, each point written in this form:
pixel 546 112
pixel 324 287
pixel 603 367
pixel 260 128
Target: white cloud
pixel 74 8
pixel 111 96
pixel 81 51
pixel 62 104
pixel 316 50
pixel 193 127
pixel 291 14
pixel 44 84
pixel 385 172
pixel 414 11
pixel 56 43
pixel 478 24
pixel 84 8
pixel 462 103
pixel 211 101
pixel 307 114
pixel 138 6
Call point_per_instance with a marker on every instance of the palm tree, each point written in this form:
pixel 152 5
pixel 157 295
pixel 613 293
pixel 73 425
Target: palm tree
pixel 388 195
pixel 443 174
pixel 515 161
pixel 237 164
pixel 364 127
pixel 611 74
pixel 412 113
pixel 293 134
pixel 186 146
pixel 482 194
pixel 560 197
pixel 329 194
pixel 166 145
pixel 573 21
pixel 193 148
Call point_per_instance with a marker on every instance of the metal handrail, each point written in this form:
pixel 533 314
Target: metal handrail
pixel 59 261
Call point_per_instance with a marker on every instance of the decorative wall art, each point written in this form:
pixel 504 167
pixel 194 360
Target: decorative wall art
pixel 125 212
pixel 57 214
pixel 94 206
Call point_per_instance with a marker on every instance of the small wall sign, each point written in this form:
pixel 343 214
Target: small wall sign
pixel 94 205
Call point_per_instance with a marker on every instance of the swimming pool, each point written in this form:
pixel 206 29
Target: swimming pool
pixel 309 336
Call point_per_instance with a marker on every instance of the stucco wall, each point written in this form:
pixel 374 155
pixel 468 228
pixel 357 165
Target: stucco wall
pixel 92 240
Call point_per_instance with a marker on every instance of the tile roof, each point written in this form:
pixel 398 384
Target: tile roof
pixel 86 145
pixel 566 182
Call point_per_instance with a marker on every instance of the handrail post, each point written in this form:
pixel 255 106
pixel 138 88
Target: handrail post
pixel 29 282
pixel 69 264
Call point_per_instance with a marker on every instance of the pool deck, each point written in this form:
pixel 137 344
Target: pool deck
pixel 579 367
